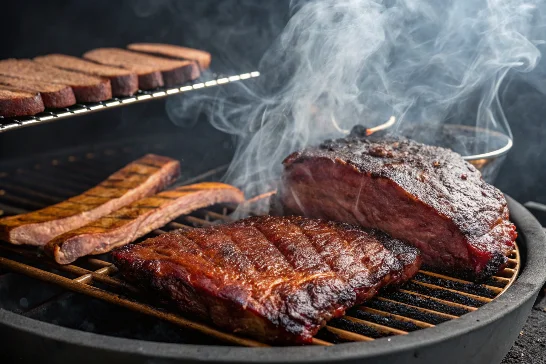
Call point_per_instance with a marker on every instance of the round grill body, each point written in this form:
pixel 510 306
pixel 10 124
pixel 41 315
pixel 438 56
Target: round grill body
pixel 482 336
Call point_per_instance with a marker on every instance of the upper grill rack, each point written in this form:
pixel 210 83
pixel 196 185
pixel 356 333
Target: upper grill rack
pixel 140 96
pixel 428 300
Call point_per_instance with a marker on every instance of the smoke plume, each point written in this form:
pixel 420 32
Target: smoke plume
pixel 339 63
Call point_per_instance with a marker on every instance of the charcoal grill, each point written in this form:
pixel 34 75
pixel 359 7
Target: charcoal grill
pixel 85 311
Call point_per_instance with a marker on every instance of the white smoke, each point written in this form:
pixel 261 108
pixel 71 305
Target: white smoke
pixel 339 63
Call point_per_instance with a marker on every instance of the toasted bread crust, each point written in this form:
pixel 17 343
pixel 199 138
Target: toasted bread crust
pixel 53 95
pixel 173 72
pixel 86 88
pixel 123 82
pixel 19 103
pixel 168 50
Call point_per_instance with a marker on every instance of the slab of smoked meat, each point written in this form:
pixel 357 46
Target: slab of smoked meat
pixel 428 196
pixel 278 279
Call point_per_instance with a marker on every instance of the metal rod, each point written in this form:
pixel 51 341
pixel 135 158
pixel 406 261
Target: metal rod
pixel 320 342
pixel 348 335
pixel 469 295
pixel 448 278
pixel 421 324
pixel 424 310
pixel 381 328
pixel 121 301
pixel 447 303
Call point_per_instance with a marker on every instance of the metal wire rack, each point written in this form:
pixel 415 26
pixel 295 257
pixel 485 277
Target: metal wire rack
pixel 427 300
pixel 140 96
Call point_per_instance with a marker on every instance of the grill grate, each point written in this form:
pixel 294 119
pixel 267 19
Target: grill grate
pixel 140 96
pixel 427 300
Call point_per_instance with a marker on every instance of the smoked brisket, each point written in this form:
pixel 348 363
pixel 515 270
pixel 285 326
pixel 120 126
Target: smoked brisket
pixel 426 195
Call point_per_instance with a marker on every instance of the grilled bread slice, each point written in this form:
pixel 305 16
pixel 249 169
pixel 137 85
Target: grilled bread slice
pixel 19 103
pixel 137 219
pixel 123 82
pixel 138 179
pixel 168 50
pixel 86 88
pixel 174 72
pixel 53 95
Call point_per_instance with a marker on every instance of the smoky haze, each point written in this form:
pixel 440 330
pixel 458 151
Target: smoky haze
pixel 339 63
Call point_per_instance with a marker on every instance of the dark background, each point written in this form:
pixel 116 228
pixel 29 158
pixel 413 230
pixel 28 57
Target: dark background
pixel 236 33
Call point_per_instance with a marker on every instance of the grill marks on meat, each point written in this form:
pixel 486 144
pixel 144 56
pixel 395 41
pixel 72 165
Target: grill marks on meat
pixel 426 195
pixel 137 219
pixel 279 279
pixel 138 179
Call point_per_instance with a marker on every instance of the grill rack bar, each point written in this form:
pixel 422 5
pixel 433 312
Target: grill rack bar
pixel 140 96
pixel 360 329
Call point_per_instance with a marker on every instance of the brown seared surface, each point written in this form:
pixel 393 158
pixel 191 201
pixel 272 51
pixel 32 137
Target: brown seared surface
pixel 53 95
pixel 414 180
pixel 86 88
pixel 174 72
pixel 275 278
pixel 138 179
pixel 15 102
pixel 137 219
pixel 201 57
pixel 124 82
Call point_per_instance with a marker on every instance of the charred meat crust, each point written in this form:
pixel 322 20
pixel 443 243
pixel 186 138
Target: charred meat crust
pixel 279 279
pixel 435 182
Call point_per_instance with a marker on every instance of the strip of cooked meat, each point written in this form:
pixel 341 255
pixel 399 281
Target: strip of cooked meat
pixel 279 279
pixel 426 195
pixel 138 179
pixel 137 219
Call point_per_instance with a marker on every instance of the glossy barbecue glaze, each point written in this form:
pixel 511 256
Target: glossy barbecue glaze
pixel 278 279
pixel 426 195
